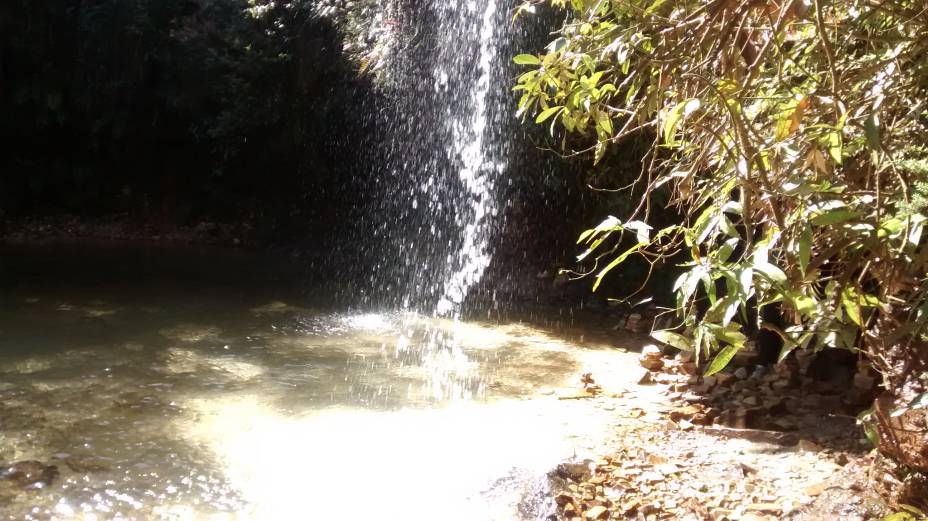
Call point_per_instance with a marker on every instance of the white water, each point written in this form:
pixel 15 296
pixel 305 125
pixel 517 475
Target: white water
pixel 478 173
pixel 446 156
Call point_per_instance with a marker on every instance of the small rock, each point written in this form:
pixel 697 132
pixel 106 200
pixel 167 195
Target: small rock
pixel 29 474
pixel 816 490
pixel 750 401
pixel 597 512
pixel 651 364
pixel 780 384
pixel 746 356
pixel 693 398
pixel 709 381
pixel 782 424
pixel 724 378
pixel 651 351
pixel 684 356
pixel 741 373
pixel 812 401
pixel 685 413
pixel 630 506
pixel 735 418
pixel 574 471
pixel 563 499
pixel 775 405
pixel 772 508
pixel 633 323
pixel 719 514
pixel 808 446
pixel 651 477
pixel 79 463
pixel 793 404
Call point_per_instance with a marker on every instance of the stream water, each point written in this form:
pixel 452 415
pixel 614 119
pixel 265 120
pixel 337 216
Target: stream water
pixel 202 385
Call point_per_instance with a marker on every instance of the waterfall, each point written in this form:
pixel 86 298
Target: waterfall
pixel 444 160
pixel 478 171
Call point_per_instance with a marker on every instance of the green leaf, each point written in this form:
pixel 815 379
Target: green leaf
pixel 805 248
pixel 872 132
pixel 675 116
pixel 654 7
pixel 527 59
pixel 729 334
pixel 615 262
pixel 726 249
pixel 722 359
pixel 853 310
pixel 746 282
pixel 729 228
pixel 835 146
pixel 804 305
pixel 832 217
pixel 547 113
pixel 642 230
pixel 673 339
pixel 586 234
pixel 604 123
pixel 771 272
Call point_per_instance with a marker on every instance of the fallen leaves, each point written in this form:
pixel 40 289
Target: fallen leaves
pixel 679 457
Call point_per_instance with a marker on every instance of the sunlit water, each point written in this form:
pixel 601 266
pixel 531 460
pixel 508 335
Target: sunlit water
pixel 197 387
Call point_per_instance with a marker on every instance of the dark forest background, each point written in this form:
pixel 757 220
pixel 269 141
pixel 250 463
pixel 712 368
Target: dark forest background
pixel 253 117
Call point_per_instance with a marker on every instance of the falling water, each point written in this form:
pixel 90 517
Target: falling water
pixel 478 172
pixel 444 152
pixel 445 158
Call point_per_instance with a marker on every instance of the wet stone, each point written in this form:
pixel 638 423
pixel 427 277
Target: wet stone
pixel 29 474
pixel 574 471
pixel 79 463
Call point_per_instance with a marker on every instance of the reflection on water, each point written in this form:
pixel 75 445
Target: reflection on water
pixel 220 401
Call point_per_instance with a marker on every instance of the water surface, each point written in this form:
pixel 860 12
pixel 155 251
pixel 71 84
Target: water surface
pixel 215 385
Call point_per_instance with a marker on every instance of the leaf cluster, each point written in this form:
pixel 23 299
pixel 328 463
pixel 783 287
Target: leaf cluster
pixel 789 134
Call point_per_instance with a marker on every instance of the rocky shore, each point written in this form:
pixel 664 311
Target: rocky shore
pixel 753 443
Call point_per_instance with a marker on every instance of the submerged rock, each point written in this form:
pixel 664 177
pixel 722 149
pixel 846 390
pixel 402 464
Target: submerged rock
pixel 29 474
pixel 83 463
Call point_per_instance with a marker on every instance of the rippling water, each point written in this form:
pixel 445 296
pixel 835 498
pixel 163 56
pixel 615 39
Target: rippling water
pixel 196 386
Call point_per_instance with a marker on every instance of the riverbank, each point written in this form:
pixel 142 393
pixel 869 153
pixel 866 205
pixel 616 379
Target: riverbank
pixel 670 456
pixel 66 228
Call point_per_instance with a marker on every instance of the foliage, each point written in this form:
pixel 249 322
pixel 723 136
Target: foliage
pixel 169 107
pixel 907 513
pixel 787 133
